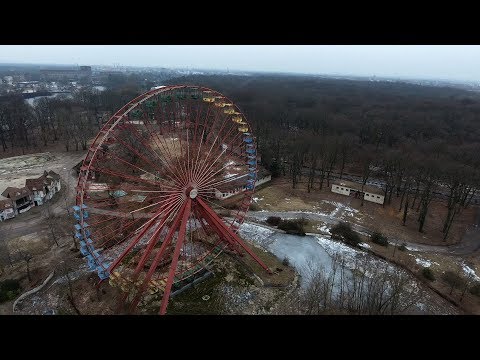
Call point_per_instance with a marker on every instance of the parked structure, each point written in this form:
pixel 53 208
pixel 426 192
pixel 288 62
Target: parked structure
pixel 36 192
pixel 21 198
pixel 6 209
pixel 44 187
pixel 354 189
pixel 239 184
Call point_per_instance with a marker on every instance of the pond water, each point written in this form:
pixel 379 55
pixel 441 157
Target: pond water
pixel 310 253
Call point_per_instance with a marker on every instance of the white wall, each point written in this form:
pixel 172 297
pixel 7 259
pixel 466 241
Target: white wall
pixel 379 199
pixel 264 180
pixel 340 189
pixel 7 214
pixel 220 196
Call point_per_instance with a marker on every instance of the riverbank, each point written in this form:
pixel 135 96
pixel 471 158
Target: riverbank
pixel 412 259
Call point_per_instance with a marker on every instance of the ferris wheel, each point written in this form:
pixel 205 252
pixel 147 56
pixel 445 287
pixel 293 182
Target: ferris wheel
pixel 149 186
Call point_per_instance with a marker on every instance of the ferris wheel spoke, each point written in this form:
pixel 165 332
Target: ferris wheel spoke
pixel 146 227
pixel 127 177
pixel 209 133
pixel 194 168
pixel 204 163
pixel 108 241
pixel 177 119
pixel 150 246
pixel 176 253
pixel 166 242
pixel 168 163
pixel 130 164
pixel 152 151
pixel 207 173
pixel 212 184
pixel 148 206
pixel 136 152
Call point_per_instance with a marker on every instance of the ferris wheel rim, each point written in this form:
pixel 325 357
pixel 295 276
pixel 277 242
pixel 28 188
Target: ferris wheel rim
pixel 112 124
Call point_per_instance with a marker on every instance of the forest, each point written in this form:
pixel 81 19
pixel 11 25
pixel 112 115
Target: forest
pixel 420 141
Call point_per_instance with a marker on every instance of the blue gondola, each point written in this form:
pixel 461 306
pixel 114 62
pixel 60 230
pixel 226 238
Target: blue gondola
pixel 84 250
pixel 252 162
pixel 91 262
pixel 79 236
pixel 251 151
pixel 102 272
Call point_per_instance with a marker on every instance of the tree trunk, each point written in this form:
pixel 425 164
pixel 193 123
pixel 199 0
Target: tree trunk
pixel 28 270
pixel 405 211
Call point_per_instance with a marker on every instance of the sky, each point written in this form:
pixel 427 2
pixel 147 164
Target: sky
pixel 453 62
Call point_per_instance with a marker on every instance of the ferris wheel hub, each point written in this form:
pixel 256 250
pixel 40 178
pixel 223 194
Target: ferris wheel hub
pixel 192 192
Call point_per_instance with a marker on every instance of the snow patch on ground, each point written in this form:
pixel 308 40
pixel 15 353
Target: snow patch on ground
pixel 470 272
pixel 256 199
pixel 423 262
pixel 410 248
pixel 228 175
pixel 335 247
pixel 365 245
pixel 344 210
pixel 324 229
pixel 255 233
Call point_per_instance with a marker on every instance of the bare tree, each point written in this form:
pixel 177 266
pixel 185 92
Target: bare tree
pixel 52 222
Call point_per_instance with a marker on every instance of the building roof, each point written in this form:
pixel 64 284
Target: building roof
pixel 36 184
pixel 39 183
pixel 54 175
pixel 16 193
pixel 239 180
pixel 5 204
pixel 358 186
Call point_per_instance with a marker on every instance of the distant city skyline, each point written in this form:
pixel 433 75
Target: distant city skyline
pixel 442 62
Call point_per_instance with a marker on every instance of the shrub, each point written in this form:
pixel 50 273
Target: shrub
pixel 9 289
pixel 274 220
pixel 475 289
pixel 402 247
pixel 286 261
pixel 254 207
pixel 344 232
pixel 454 280
pixel 294 227
pixel 428 274
pixel 379 239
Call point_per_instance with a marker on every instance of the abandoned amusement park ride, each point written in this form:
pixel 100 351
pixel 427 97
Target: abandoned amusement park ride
pixel 146 214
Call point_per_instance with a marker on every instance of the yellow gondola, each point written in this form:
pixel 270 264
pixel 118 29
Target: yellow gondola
pixel 243 129
pixel 229 111
pixel 208 97
pixel 237 118
pixel 220 104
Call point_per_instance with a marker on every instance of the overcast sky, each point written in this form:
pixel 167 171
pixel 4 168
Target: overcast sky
pixel 460 62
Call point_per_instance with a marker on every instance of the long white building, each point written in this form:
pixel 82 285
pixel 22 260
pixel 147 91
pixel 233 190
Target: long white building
pixel 349 188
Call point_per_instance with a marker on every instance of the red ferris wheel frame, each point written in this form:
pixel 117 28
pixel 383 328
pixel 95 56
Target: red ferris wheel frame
pixel 185 190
